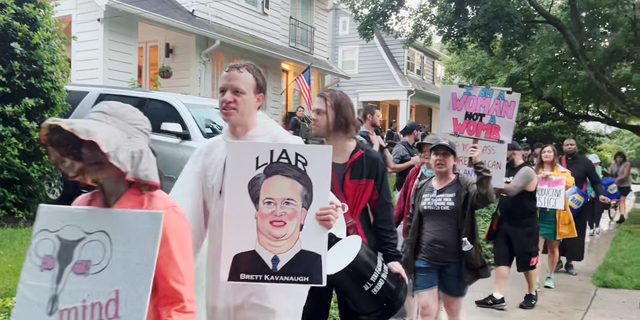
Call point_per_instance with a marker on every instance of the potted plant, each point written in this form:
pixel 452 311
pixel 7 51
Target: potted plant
pixel 165 72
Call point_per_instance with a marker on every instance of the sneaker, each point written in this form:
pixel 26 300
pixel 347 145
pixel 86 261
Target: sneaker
pixel 492 303
pixel 598 231
pixel 548 283
pixel 570 269
pixel 530 301
pixel 592 232
pixel 559 266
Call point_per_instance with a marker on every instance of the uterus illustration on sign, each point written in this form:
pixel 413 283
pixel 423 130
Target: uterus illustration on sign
pixel 66 252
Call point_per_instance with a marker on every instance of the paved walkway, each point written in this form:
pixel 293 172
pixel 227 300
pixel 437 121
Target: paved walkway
pixel 574 298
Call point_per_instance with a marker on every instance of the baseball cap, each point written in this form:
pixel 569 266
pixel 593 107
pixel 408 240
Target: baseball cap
pixel 447 144
pixel 409 128
pixel 594 158
pixel 525 146
pixel 513 146
pixel 538 145
pixel 427 140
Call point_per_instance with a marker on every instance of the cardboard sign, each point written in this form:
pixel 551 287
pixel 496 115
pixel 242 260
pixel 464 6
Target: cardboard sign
pixel 551 193
pixel 89 263
pixel 478 112
pixel 493 154
pixel 270 232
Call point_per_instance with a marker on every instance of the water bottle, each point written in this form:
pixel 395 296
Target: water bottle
pixel 466 245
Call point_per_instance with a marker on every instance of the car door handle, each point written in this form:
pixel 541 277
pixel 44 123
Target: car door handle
pixel 169 176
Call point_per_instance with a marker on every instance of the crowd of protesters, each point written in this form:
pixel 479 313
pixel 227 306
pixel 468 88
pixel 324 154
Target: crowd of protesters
pixel 436 250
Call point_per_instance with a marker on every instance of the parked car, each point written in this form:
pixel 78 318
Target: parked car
pixel 179 124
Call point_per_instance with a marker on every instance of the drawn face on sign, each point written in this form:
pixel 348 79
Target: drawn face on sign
pixel 68 252
pixel 282 195
pixel 280 215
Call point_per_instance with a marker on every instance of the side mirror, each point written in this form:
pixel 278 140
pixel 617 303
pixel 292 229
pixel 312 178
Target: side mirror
pixel 175 129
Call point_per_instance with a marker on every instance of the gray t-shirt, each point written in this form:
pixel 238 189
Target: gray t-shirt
pixel 439 210
pixel 619 171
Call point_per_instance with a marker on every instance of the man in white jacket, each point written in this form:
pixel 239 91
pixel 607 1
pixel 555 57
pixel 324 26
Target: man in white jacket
pixel 198 192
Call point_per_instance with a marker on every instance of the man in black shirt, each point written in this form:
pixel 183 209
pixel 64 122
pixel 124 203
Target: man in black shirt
pixel 404 155
pixel 582 169
pixel 517 235
pixel 296 122
pixel 392 137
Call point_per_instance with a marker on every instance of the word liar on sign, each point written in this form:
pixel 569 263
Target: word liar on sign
pixel 478 112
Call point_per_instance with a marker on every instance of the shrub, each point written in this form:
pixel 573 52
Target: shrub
pixel 6 305
pixel 33 72
pixel 483 217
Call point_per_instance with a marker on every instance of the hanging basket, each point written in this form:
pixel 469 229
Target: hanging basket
pixel 165 74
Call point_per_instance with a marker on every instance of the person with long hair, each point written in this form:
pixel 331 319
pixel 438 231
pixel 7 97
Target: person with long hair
pixel 359 180
pixel 621 171
pixel 554 224
pixel 109 149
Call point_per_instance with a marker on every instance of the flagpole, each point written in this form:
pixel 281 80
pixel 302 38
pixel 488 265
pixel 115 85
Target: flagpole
pixel 294 80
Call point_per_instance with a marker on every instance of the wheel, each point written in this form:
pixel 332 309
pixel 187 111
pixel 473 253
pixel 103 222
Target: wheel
pixel 59 190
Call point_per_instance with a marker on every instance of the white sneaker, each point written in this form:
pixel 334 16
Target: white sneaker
pixel 592 232
pixel 598 231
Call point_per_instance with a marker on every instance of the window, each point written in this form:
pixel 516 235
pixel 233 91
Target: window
pixel 159 112
pixel 148 64
pixel 209 119
pixel 439 73
pixel 415 63
pixel 74 98
pixel 253 3
pixel 133 101
pixel 348 59
pixel 344 26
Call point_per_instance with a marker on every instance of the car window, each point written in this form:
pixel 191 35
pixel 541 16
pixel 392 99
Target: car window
pixel 209 119
pixel 74 98
pixel 133 101
pixel 159 111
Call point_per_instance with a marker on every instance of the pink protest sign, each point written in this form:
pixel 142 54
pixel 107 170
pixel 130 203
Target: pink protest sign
pixel 478 112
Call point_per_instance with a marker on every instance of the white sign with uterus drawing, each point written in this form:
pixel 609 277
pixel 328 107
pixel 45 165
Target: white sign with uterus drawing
pixel 89 263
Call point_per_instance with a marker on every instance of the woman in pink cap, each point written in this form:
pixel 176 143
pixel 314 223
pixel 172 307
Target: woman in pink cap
pixel 109 149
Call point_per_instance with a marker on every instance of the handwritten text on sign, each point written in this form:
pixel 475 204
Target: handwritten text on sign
pixel 493 154
pixel 551 193
pixel 477 112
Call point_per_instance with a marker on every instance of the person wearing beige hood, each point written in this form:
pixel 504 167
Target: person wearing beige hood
pixel 199 193
pixel 109 149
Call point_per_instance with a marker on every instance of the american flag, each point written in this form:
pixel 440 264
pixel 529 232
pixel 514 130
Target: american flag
pixel 304 85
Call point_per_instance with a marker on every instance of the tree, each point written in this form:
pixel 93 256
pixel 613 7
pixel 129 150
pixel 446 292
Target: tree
pixel 33 72
pixel 579 57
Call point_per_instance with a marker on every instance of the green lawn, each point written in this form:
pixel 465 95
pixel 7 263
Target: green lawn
pixel 13 248
pixel 621 266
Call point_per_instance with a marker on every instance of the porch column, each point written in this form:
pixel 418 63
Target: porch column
pixel 404 107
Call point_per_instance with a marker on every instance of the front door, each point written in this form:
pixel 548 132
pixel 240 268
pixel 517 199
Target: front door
pixel 148 64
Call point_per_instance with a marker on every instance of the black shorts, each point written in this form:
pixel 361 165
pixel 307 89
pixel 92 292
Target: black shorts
pixel 520 243
pixel 624 191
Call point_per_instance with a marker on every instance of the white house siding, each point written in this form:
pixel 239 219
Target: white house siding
pixel 87 50
pixel 273 27
pixel 396 46
pixel 181 61
pixel 373 71
pixel 121 48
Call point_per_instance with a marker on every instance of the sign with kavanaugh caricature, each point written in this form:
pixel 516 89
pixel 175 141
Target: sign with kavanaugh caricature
pixel 271 194
pixel 89 263
pixel 478 112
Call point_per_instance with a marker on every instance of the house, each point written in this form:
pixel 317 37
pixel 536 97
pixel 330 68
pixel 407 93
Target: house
pixel 402 80
pixel 125 42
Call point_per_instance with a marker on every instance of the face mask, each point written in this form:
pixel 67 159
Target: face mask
pixel 427 172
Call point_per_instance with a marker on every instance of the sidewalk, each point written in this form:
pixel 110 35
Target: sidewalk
pixel 574 298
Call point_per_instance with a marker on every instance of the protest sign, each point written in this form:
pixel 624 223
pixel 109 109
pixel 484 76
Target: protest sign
pixel 493 154
pixel 478 112
pixel 551 193
pixel 270 232
pixel 89 263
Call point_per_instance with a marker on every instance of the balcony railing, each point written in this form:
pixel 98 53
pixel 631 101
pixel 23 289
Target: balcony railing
pixel 301 35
